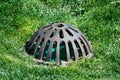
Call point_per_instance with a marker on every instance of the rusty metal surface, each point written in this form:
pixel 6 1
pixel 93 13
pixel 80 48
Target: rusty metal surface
pixel 59 41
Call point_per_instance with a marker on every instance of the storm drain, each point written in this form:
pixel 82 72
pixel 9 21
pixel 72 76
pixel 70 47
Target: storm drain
pixel 57 43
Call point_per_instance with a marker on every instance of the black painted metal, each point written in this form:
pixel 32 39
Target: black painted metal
pixel 58 41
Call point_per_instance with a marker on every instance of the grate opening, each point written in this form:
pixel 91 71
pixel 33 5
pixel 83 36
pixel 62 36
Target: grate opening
pixel 78 48
pixel 53 58
pixel 37 38
pixel 46 51
pixel 88 44
pixel 45 31
pixel 36 55
pixel 84 46
pixel 32 39
pixel 73 29
pixel 60 25
pixel 32 49
pixel 72 56
pixel 53 33
pixel 63 55
pixel 41 42
pixel 61 34
pixel 69 32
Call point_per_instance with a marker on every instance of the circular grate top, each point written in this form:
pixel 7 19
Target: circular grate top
pixel 58 42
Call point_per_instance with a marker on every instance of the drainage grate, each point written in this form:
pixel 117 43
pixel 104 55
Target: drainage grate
pixel 58 42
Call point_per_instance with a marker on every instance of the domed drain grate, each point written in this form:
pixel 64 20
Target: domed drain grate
pixel 58 42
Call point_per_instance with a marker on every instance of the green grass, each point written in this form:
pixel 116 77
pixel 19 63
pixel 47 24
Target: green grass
pixel 98 20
